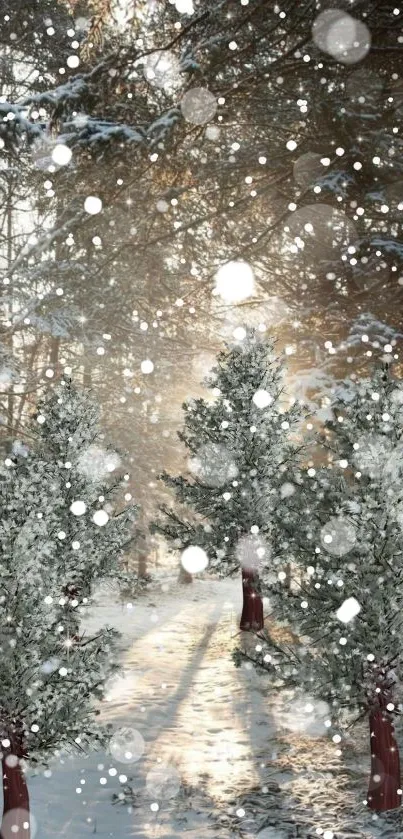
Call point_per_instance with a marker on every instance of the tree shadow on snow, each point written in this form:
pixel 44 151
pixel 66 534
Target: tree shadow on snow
pixel 192 812
pixel 161 716
pixel 262 809
pixel 305 784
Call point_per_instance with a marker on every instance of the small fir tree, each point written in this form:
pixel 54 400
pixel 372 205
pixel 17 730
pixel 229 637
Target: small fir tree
pixel 59 538
pixel 239 455
pixel 345 607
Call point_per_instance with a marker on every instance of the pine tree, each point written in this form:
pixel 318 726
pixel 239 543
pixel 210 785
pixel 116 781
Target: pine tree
pixel 59 538
pixel 239 457
pixel 345 608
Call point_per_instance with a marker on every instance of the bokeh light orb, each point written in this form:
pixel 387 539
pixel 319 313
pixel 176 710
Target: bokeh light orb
pixel 235 282
pixel 251 552
pixel 262 399
pixel 214 464
pixel 338 536
pixel 100 518
pixel 322 231
pixel 198 105
pixel 163 781
pixel 194 559
pixel 92 205
pixel 127 745
pixel 348 610
pixel 239 333
pixel 162 69
pixel 342 36
pixel 305 714
pixel 61 154
pixel 308 169
pixel 78 508
pixel 146 366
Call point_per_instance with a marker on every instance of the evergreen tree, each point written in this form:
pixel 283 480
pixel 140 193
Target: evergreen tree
pixel 239 458
pixel 345 607
pixel 59 537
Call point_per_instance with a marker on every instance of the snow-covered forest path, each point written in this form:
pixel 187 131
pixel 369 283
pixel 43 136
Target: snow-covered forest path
pixel 196 712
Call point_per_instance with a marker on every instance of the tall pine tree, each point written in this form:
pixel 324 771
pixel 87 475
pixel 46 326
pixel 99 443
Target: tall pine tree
pixel 345 607
pixel 239 457
pixel 59 537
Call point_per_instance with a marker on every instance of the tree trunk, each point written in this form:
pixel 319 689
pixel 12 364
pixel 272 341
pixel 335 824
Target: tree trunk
pixel 54 353
pixel 184 576
pixel 384 792
pixel 142 565
pixel 16 812
pixel 87 368
pixel 9 336
pixel 252 611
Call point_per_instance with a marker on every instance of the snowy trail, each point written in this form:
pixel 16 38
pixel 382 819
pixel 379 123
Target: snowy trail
pixel 221 729
pixel 195 710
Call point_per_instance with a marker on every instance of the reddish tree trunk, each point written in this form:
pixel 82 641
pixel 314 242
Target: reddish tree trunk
pixel 252 611
pixel 16 813
pixel 384 792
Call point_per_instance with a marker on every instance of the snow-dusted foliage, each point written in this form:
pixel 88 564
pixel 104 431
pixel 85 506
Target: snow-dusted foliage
pixel 59 536
pixel 343 534
pixel 239 456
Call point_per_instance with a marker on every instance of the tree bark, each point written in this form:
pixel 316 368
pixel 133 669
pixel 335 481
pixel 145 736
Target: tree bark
pixel 9 336
pixel 54 352
pixel 184 576
pixel 16 812
pixel 142 565
pixel 252 611
pixel 384 792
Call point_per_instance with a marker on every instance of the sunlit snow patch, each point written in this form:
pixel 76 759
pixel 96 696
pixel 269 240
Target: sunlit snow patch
pixel 120 688
pixel 163 781
pixel 305 715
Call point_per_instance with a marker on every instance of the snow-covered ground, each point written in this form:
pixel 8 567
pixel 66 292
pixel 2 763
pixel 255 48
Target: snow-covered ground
pixel 238 756
pixel 179 688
